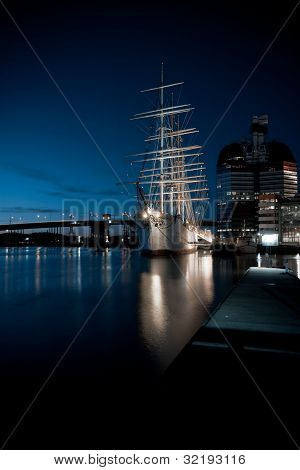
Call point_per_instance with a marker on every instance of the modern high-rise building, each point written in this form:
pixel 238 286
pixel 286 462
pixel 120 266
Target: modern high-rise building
pixel 289 221
pixel 247 170
pixel 280 175
pixel 235 192
pixel 268 215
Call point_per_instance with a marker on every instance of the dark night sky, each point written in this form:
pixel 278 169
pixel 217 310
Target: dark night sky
pixel 101 54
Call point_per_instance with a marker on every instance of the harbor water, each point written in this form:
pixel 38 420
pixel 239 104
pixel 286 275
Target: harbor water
pixel 142 310
pixel 99 325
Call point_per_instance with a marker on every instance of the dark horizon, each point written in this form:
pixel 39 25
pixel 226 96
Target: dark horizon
pixel 100 57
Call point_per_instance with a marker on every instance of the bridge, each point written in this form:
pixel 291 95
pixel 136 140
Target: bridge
pixel 69 223
pixel 53 232
pixel 99 231
pixel 64 224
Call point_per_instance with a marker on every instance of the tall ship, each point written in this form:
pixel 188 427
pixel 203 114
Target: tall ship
pixel 171 185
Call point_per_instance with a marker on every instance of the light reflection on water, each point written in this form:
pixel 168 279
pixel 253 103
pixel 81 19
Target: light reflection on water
pixel 151 312
pixel 174 298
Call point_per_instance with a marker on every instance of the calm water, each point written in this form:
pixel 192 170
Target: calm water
pixel 144 310
pixel 149 310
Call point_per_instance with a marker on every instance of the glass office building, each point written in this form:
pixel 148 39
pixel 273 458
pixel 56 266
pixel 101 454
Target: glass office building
pixel 289 221
pixel 247 170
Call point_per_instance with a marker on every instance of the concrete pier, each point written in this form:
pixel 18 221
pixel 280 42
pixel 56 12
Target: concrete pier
pixel 265 300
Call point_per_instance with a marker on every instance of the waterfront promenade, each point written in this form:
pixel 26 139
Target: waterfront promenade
pixel 238 376
pixel 265 300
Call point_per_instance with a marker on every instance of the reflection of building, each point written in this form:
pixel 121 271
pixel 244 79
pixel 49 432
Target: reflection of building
pixel 247 170
pixel 289 221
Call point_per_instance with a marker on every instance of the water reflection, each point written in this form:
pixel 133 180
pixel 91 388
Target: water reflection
pixel 297 262
pixel 106 268
pixel 174 298
pixel 37 273
pixel 78 270
pixel 152 310
pixel 259 260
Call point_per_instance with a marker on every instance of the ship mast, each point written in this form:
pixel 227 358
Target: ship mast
pixel 172 166
pixel 162 139
pixel 171 171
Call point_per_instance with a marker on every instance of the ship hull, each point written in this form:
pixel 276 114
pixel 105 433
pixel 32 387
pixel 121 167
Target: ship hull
pixel 167 235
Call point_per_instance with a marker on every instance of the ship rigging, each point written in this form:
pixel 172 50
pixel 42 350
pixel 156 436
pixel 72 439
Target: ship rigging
pixel 171 185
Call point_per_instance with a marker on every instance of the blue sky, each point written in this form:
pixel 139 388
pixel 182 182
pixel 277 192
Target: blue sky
pixel 100 57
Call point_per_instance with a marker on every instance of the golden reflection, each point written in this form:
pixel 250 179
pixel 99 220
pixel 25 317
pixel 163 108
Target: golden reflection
pixel 158 302
pixel 206 274
pixel 173 300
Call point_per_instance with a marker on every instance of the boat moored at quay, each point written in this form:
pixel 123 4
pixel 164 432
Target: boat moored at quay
pixel 172 190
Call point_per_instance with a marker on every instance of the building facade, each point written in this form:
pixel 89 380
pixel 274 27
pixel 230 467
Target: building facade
pixel 235 193
pixel 268 218
pixel 289 221
pixel 279 176
pixel 246 172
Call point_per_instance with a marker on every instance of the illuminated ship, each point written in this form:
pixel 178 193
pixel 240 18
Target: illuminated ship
pixel 171 185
